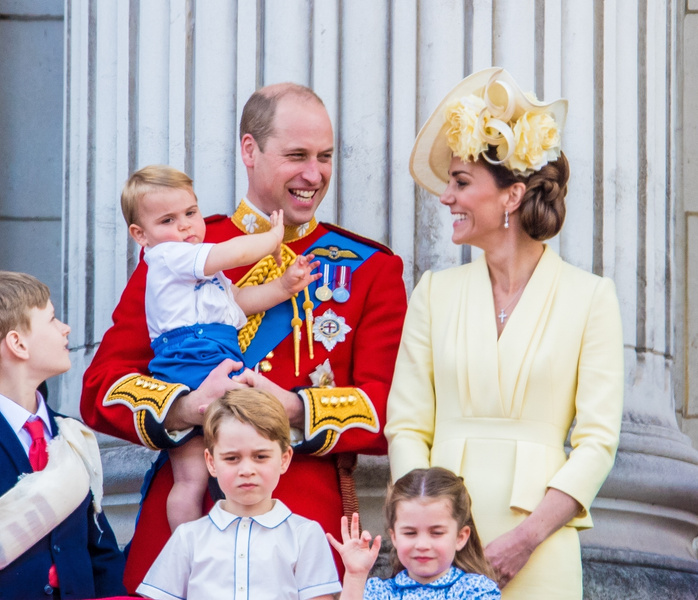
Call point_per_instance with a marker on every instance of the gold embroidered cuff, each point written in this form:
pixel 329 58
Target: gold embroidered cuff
pixel 143 395
pixel 333 410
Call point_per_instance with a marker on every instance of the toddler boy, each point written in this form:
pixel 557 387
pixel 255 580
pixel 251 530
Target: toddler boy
pixel 249 545
pixel 193 310
pixel 54 539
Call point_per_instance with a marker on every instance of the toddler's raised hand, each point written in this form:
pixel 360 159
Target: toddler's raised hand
pixel 299 274
pixel 277 228
pixel 358 555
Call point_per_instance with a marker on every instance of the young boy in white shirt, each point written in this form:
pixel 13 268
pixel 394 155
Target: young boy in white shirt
pixel 249 545
pixel 192 309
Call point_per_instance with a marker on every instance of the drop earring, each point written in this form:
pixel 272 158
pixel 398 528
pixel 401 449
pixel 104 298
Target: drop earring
pixel 506 219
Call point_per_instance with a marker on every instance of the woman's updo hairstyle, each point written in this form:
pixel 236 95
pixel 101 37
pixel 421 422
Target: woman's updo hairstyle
pixel 542 210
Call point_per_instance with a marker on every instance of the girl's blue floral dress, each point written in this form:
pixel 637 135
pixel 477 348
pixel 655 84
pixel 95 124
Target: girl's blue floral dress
pixel 455 584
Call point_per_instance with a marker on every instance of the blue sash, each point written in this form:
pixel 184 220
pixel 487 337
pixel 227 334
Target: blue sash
pixel 332 248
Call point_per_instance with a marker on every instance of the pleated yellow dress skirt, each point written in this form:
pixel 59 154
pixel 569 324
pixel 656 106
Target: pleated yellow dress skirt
pixel 554 571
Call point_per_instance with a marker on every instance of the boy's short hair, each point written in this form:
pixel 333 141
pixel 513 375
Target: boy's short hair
pixel 19 293
pixel 259 409
pixel 146 180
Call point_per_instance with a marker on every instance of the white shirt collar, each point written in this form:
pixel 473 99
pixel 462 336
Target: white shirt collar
pixel 17 415
pixel 278 514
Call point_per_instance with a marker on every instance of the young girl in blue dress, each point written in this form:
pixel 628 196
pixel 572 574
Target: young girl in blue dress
pixel 437 553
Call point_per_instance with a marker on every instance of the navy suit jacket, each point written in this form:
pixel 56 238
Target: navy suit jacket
pixel 88 561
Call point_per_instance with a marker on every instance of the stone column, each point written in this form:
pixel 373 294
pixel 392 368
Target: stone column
pixel 646 516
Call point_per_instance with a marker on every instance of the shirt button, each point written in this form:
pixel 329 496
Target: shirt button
pixel 48 590
pixel 56 549
pixel 199 331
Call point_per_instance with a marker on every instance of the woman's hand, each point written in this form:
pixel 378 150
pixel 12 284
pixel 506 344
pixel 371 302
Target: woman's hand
pixel 508 554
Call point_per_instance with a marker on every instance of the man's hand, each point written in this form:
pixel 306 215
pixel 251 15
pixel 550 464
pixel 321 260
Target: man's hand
pixel 187 411
pixel 299 274
pixel 290 400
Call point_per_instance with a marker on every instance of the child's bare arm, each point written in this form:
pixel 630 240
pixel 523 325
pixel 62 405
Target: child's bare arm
pixel 298 275
pixel 358 556
pixel 247 249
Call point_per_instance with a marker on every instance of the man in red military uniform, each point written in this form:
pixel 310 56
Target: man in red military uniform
pixel 328 354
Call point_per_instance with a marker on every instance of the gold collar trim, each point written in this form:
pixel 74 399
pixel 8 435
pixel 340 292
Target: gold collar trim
pixel 251 220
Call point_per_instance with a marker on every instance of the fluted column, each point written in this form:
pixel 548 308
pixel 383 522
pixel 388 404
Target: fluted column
pixel 647 512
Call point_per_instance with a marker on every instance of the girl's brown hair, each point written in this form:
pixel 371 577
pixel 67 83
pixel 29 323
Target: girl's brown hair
pixel 437 483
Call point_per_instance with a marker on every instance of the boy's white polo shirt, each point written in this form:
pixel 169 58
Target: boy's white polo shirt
pixel 274 556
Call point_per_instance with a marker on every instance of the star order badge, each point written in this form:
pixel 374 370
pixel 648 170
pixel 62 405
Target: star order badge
pixel 330 329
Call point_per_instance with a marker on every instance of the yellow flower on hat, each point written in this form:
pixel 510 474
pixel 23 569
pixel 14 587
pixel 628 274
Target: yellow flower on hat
pixel 536 142
pixel 463 136
pixel 525 144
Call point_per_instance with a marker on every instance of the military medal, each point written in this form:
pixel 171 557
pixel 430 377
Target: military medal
pixel 324 293
pixel 342 279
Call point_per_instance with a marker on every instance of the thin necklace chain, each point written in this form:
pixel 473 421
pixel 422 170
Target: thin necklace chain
pixel 503 316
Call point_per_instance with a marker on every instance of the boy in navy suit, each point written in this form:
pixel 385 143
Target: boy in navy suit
pixel 54 539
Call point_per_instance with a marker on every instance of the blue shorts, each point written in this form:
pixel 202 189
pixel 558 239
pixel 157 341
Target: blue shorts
pixel 188 354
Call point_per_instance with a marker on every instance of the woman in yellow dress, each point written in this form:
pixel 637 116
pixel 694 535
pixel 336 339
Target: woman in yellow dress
pixel 501 356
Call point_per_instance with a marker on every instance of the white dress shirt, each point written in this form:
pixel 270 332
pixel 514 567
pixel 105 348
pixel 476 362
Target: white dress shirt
pixel 17 416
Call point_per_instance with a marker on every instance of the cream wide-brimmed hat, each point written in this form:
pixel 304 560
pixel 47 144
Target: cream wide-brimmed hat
pixel 487 108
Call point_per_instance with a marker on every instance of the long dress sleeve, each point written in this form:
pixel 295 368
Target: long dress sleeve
pixel 411 403
pixel 598 401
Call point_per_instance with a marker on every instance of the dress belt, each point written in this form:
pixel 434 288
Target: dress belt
pixel 495 428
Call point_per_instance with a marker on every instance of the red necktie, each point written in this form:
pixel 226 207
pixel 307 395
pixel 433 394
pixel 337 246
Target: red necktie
pixel 38 456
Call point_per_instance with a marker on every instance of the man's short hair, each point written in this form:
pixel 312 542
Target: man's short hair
pixel 259 409
pixel 19 293
pixel 147 180
pixel 259 111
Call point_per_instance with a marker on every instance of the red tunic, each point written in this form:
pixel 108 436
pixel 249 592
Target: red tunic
pixel 365 360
